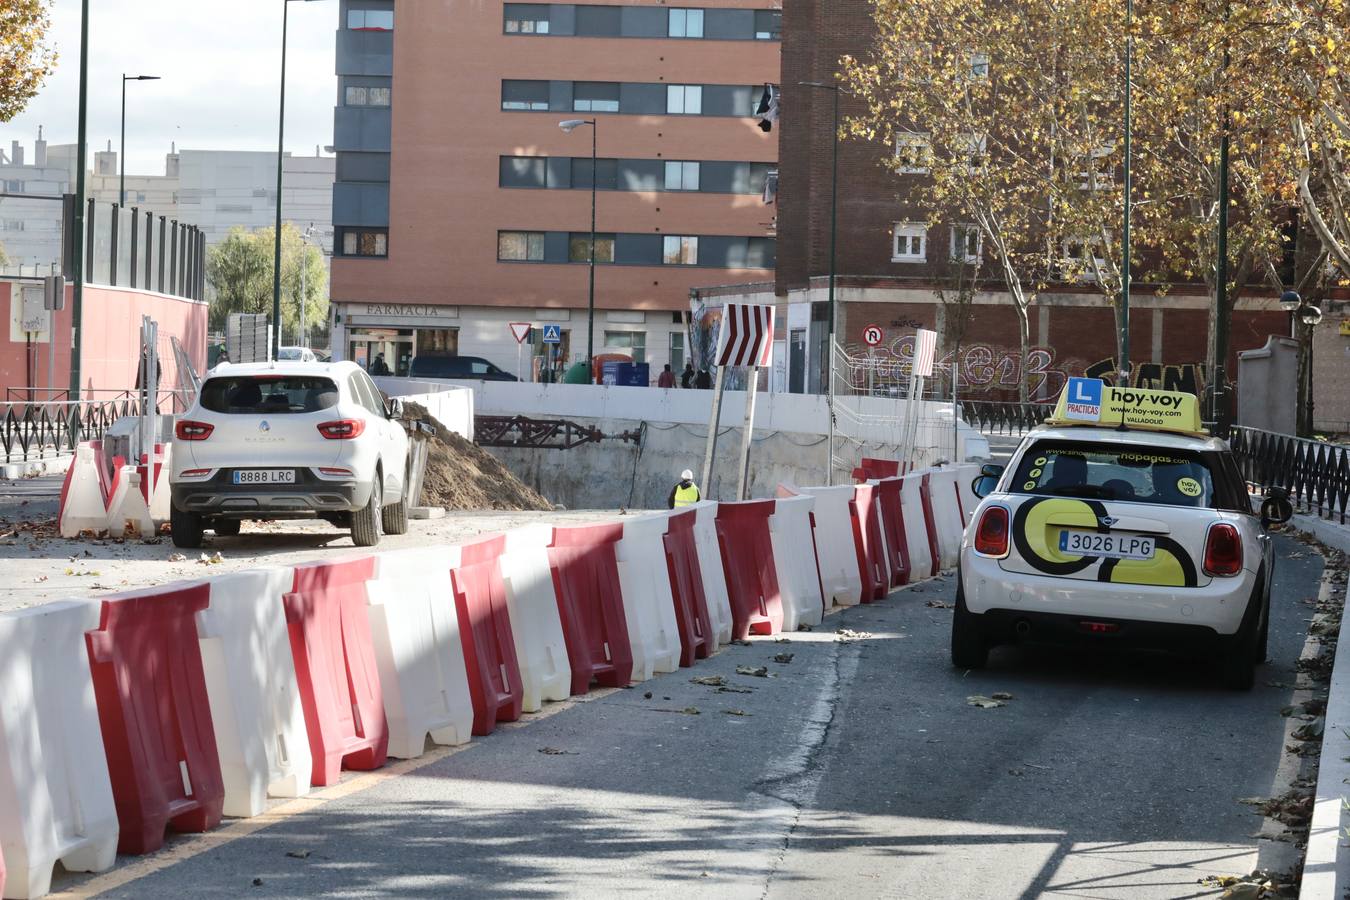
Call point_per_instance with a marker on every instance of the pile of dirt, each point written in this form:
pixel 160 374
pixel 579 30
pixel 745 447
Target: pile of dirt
pixel 462 475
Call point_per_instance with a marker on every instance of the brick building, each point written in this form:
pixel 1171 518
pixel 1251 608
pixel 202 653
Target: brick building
pixel 889 263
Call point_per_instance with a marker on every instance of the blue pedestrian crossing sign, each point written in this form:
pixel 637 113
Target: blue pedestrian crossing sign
pixel 552 334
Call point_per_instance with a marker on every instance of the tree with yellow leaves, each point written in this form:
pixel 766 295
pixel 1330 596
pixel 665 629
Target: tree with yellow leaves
pixel 25 58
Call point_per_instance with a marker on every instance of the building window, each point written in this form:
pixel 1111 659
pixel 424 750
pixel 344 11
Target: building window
pixel 680 251
pixel 1100 171
pixel 526 18
pixel 768 24
pixel 684 99
pixel 635 342
pixel 368 96
pixel 606 174
pixel 914 153
pixel 579 248
pixel 523 172
pixel 677 351
pixel 966 244
pixel 370 19
pixel 979 65
pixel 681 176
pixel 524 95
pixel 365 242
pixel 686 23
pixel 909 242
pixel 520 246
pixel 595 96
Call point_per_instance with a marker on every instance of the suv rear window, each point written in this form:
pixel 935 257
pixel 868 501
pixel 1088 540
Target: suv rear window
pixel 1136 474
pixel 268 394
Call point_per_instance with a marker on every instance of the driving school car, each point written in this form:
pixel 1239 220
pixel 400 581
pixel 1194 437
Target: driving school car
pixel 1120 521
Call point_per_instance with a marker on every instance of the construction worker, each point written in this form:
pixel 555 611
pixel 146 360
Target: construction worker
pixel 686 493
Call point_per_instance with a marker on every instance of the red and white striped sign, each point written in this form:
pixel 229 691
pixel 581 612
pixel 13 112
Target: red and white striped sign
pixel 747 336
pixel 925 348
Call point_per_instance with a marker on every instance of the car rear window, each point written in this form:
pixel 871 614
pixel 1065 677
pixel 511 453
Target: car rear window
pixel 1137 474
pixel 268 394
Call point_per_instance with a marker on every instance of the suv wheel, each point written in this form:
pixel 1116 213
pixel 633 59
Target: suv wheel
pixel 186 528
pixel 227 527
pixel 367 520
pixel 970 648
pixel 395 515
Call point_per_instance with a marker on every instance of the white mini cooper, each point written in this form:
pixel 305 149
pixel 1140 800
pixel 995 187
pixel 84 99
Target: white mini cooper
pixel 289 440
pixel 1122 522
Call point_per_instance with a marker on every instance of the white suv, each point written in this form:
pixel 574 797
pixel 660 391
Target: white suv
pixel 289 440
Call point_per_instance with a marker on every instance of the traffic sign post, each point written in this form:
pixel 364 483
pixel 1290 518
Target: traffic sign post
pixel 521 332
pixel 873 335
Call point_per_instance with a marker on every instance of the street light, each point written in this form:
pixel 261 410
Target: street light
pixel 834 241
pixel 122 178
pixel 568 126
pixel 281 150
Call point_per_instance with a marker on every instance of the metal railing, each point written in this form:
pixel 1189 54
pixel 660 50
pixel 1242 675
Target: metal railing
pixel 33 431
pixel 996 417
pixel 1316 474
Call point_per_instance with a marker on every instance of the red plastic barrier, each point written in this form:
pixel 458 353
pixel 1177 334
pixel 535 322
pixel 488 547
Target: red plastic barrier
pixel 150 689
pixel 590 604
pixel 335 666
pixel 485 633
pixel 930 524
pixel 873 566
pixel 871 468
pixel 893 527
pixel 747 557
pixel 686 586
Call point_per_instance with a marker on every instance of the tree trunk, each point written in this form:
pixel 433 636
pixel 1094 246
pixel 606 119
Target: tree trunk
pixel 1024 336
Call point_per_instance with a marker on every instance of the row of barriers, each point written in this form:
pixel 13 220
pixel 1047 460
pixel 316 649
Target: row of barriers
pixel 173 707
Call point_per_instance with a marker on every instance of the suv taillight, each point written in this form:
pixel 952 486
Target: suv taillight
pixel 991 536
pixel 187 430
pixel 342 429
pixel 1223 550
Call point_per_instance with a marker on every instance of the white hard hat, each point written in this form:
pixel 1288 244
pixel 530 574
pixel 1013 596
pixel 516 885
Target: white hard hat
pixel 686 475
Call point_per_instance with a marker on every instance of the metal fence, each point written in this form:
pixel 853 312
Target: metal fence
pixel 995 417
pixel 130 247
pixel 34 430
pixel 1316 474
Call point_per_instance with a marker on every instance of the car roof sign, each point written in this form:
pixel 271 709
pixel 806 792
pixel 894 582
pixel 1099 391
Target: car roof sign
pixel 1089 401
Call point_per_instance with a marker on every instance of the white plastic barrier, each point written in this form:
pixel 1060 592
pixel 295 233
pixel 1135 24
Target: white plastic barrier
pixel 541 649
pixel 83 506
pixel 966 473
pixel 127 509
pixel 916 529
pixel 160 500
pixel 56 799
pixel 794 556
pixel 839 575
pixel 714 575
pixel 648 605
pixel 946 510
pixel 251 687
pixel 415 631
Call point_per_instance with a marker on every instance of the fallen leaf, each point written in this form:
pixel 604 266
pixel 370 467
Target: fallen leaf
pixel 735 712
pixel 554 751
pixel 848 634
pixel 176 557
pixel 690 710
pixel 1312 731
pixel 783 658
pixel 741 643
pixel 1001 695
pixel 298 854
pixel 804 627
pixel 709 680
pixel 734 689
pixel 756 671
pixel 938 604
pixel 983 702
pixel 647 696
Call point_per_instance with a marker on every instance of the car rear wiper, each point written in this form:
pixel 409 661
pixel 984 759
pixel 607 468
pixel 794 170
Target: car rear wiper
pixel 1083 490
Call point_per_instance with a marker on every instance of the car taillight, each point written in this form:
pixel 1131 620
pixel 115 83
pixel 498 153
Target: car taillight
pixel 342 429
pixel 1223 550
pixel 187 430
pixel 334 470
pixel 991 537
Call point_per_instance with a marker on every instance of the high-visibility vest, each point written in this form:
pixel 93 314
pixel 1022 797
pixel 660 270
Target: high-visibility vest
pixel 686 496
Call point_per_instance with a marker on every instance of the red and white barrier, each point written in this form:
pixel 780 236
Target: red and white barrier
pixel 56 800
pixel 255 699
pixel 127 510
pixel 947 514
pixel 83 506
pixel 415 631
pixel 794 554
pixel 966 473
pixel 916 528
pixel 839 575
pixel 648 604
pixel 714 574
pixel 541 649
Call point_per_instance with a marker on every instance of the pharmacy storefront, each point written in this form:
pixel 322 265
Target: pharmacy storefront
pixel 383 338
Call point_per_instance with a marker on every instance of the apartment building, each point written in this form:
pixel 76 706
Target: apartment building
pixel 461 206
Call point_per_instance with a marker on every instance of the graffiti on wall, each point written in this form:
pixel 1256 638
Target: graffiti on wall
pixel 1189 377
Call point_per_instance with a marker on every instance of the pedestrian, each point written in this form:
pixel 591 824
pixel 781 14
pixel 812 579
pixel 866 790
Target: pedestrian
pixel 704 380
pixel 685 492
pixel 379 366
pixel 688 376
pixel 666 379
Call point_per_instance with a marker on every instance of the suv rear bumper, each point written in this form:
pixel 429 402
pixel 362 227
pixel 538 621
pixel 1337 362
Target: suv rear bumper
pixel 309 496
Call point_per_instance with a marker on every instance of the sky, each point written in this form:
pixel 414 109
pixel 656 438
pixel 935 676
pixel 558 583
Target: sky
pixel 220 63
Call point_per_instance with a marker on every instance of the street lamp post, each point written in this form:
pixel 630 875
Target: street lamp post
pixel 122 159
pixel 78 257
pixel 568 126
pixel 281 150
pixel 828 370
pixel 1308 315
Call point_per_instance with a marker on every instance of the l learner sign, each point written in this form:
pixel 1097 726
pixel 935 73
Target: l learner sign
pixel 1089 401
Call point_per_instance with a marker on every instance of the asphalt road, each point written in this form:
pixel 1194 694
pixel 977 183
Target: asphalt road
pixel 856 770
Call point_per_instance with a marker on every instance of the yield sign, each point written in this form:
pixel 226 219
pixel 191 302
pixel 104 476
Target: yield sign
pixel 520 331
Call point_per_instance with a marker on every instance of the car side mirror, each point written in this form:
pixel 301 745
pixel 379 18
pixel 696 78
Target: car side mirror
pixel 1276 508
pixel 989 470
pixel 983 486
pixel 395 408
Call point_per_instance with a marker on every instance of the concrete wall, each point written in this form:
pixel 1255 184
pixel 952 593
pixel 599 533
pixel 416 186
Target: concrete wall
pixel 1268 386
pixel 450 405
